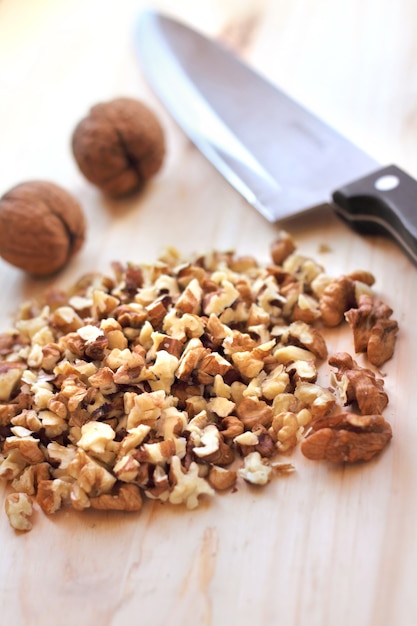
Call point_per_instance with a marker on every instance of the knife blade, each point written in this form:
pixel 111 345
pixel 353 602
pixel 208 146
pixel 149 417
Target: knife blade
pixel 282 158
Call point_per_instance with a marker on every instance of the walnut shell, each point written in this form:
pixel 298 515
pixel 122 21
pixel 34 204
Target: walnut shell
pixel 41 227
pixel 119 146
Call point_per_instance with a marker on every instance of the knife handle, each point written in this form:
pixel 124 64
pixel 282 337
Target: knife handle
pixel 385 201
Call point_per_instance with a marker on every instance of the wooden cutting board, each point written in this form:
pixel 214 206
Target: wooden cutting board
pixel 322 546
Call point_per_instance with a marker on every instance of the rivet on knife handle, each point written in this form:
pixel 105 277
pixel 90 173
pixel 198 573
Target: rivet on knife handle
pixel 383 201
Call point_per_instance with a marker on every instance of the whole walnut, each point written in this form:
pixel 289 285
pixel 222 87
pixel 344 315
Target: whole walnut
pixel 41 227
pixel 119 145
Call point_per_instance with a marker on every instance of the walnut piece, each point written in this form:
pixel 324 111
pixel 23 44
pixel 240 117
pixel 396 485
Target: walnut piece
pixel 126 498
pixel 41 227
pixel 359 384
pixel 19 508
pixel 347 438
pixel 282 247
pixel 374 332
pixel 221 479
pixel 119 145
pixel 51 494
pixel 255 470
pixel 10 376
pixel 338 296
pixel 189 486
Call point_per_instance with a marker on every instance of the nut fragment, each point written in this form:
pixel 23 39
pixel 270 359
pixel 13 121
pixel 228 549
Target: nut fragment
pixel 338 297
pixel 119 145
pixel 10 375
pixel 19 509
pixel 319 400
pixel 282 247
pixel 348 438
pixel 308 337
pixel 188 485
pixel 213 449
pixel 252 412
pixel 359 384
pixel 255 470
pixel 41 227
pixel 221 479
pixel 51 494
pixel 374 332
pixel 126 498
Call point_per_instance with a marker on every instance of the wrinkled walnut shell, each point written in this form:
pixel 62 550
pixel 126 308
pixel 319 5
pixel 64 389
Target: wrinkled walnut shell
pixel 119 145
pixel 41 227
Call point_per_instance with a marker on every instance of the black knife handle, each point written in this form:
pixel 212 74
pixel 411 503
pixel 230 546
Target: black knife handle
pixel 385 201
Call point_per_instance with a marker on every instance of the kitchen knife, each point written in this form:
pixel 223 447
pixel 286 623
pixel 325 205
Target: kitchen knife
pixel 279 156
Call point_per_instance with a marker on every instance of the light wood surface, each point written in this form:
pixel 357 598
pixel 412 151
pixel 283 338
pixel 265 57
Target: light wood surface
pixel 325 546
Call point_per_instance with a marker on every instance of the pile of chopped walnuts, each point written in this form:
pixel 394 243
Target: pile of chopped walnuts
pixel 172 380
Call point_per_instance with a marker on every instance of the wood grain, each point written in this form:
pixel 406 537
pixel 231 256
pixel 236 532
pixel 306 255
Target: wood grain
pixel 325 545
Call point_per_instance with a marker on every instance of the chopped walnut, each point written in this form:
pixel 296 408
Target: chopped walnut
pixel 308 337
pixel 51 494
pixel 221 406
pixel 163 369
pixel 251 363
pixel 19 509
pixel 306 309
pixel 212 448
pixel 255 470
pixel 337 298
pixel 362 276
pixel 252 412
pixel 374 332
pixel 27 445
pixel 347 438
pixel 28 481
pixel 290 354
pixel 221 479
pixel 95 437
pixel 60 458
pixel 175 379
pixel 29 419
pixel 92 477
pixel 304 269
pixel 232 427
pixel 190 299
pixel 285 430
pixel 359 384
pixel 144 408
pixel 303 371
pixel 317 399
pixel 188 486
pixel 10 375
pixel 282 247
pixel 126 498
pixel 126 468
pixel 190 359
pixel 217 301
pixel 78 498
pixel 133 439
pixel 275 383
pixel 157 452
pixel 161 485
